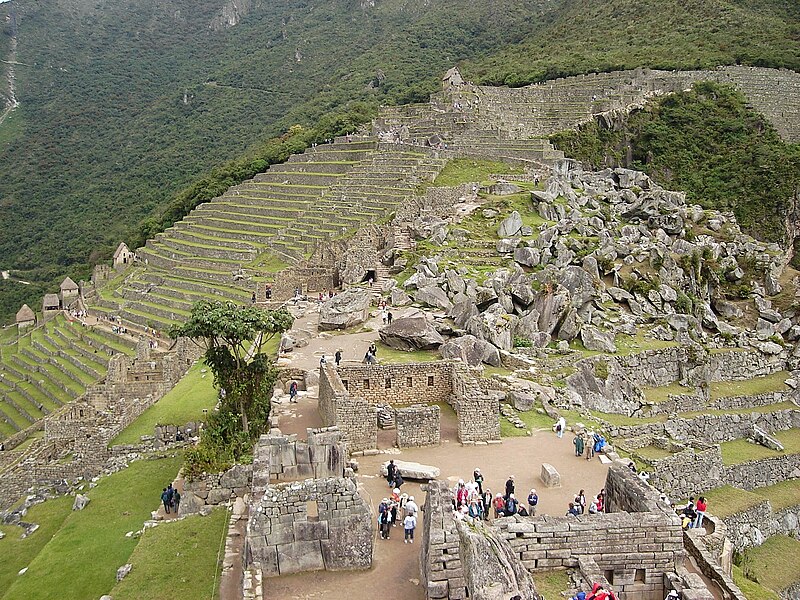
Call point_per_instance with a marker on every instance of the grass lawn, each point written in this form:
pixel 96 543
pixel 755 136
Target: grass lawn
pixel 781 495
pixel 662 393
pixel 775 564
pixel 551 584
pixel 616 419
pixel 387 355
pixel 180 557
pixel 82 558
pixel 739 451
pixel 768 408
pixel 726 500
pixel 653 453
pixel 533 420
pixel 183 403
pixel 631 344
pixel 17 553
pixel 488 371
pixel 465 170
pixel 752 590
pixel 750 387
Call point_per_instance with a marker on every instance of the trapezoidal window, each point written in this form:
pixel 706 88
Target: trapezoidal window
pixel 430 380
pixel 366 384
pixel 388 384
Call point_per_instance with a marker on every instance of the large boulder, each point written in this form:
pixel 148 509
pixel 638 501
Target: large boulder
pixel 494 326
pixel 510 226
pixel 412 470
pixel 344 310
pixel 528 257
pixel 411 333
pixel 580 284
pixel 461 312
pixel 471 350
pixel 492 569
pixel 80 502
pixel 399 297
pixel 596 340
pixel 433 296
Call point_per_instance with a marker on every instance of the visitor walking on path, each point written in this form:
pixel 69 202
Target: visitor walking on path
pixel 293 392
pixel 176 500
pixel 165 499
pixel 409 524
pixel 338 357
pixel 560 426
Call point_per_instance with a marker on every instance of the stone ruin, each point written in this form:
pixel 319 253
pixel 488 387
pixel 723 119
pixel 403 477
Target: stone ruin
pixel 350 395
pixel 306 512
pixel 636 547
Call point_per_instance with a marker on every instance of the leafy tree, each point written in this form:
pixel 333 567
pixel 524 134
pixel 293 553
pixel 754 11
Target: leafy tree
pixel 234 337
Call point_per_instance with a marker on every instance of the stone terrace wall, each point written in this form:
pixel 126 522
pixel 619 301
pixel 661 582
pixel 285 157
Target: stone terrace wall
pixel 713 428
pixel 743 364
pixel 440 560
pixel 356 417
pixel 400 384
pixel 761 473
pixel 753 526
pixel 320 524
pixel 418 426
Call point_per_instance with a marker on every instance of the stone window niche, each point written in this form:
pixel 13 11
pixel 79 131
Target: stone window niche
pixel 430 380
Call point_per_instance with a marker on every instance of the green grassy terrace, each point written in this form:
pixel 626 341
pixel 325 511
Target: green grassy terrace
pixel 76 554
pixel 193 394
pixel 775 564
pixel 739 451
pixel 750 387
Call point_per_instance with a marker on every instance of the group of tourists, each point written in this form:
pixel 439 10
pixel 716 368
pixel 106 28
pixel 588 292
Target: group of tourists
pixel 579 505
pixel 171 498
pixel 398 508
pixel 588 443
pixel 471 500
pixel 371 357
pixel 598 593
pixel 693 513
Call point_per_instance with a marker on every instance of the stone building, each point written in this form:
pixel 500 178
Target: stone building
pixel 50 304
pixel 25 317
pixel 69 291
pixel 349 397
pixel 122 256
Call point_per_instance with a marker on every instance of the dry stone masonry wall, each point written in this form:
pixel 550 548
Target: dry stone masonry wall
pixel 418 426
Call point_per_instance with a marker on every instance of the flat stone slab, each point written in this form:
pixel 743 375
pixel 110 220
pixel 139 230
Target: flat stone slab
pixel 412 470
pixel 604 460
pixel 550 477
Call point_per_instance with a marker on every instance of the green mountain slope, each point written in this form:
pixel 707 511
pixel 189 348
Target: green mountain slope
pixel 124 104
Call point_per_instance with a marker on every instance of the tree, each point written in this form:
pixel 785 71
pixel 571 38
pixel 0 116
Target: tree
pixel 234 337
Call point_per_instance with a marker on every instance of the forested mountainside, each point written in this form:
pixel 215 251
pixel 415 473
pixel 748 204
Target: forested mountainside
pixel 123 104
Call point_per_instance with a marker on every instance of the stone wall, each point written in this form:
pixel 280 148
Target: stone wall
pixel 216 488
pixel 440 560
pixel 322 455
pixel 761 473
pixel 753 526
pixel 418 426
pixel 410 383
pixel 319 524
pixel 478 413
pixel 356 417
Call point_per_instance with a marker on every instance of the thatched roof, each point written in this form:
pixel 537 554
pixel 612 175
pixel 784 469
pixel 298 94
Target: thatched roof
pixel 51 300
pixel 25 314
pixel 123 247
pixel 68 285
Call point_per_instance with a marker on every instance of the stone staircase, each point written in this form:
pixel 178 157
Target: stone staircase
pixel 50 366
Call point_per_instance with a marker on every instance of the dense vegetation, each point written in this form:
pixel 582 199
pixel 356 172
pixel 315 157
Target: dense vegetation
pixel 134 112
pixel 708 143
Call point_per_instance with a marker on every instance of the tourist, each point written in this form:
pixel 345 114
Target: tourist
pixel 478 478
pixel 522 511
pixel 176 500
pixel 338 357
pixel 632 467
pixel 580 501
pixel 512 505
pixel 461 494
pixel 579 596
pixel 322 361
pixel 601 501
pixel 672 595
pixel 573 510
pixel 411 507
pixel 533 500
pixel 409 524
pixel 268 292
pixel 499 506
pixel 398 479
pixel 475 509
pixel 599 593
pixel 593 506
pixel 165 499
pixel 384 316
pixel 391 471
pixel 293 392
pixel 321 299
pixel 578 442
pixel 389 318
pixel 393 505
pixel 560 426
pixel 253 298
pixel 487 503
pixel 509 486
pixel 373 349
pixel 383 518
pixel 700 509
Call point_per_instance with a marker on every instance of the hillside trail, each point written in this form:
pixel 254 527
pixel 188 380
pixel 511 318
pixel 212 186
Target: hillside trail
pixel 11 77
pixel 396 566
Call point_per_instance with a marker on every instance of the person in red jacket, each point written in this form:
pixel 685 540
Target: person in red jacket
pixel 700 509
